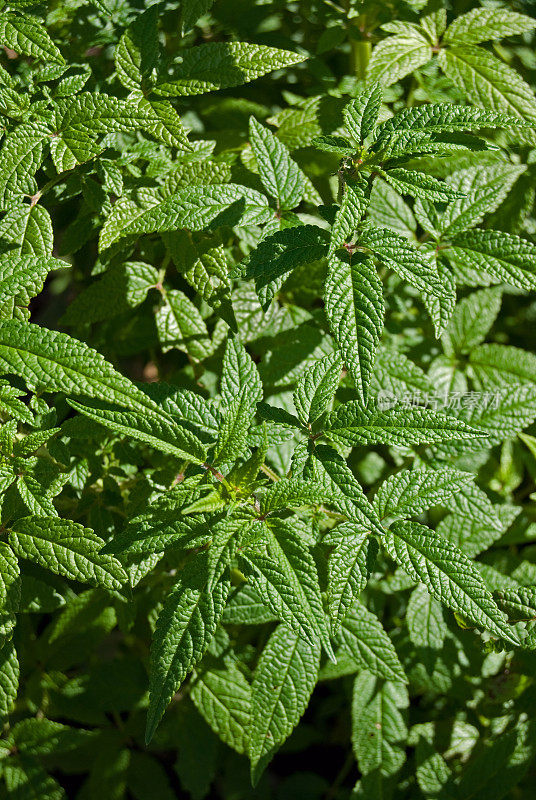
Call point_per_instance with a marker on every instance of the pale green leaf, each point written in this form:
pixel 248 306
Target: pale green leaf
pixel 500 365
pixel 332 473
pixel 239 372
pixel 403 258
pixel 160 431
pixel 505 257
pixel 10 586
pixel 287 580
pixel 20 156
pixel 197 208
pixel 352 424
pixel 232 437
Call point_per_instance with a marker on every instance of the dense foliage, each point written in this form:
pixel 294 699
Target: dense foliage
pixel 268 400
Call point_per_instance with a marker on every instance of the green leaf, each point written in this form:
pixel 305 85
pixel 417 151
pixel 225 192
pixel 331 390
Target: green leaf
pixel 147 777
pixel 290 493
pixel 349 567
pixel 26 36
pixel 25 778
pixel 334 144
pixel 353 206
pixel 221 65
pixel 287 580
pixel 239 372
pixel 506 258
pixel 53 361
pixel 424 618
pixel 246 607
pixel 395 57
pixel 232 438
pixel 388 209
pixel 163 122
pixel 197 208
pixel 66 548
pixel 9 679
pixel 121 288
pixel 280 175
pixel 137 51
pixel 418 184
pixel 26 231
pixel 498 765
pixel 403 258
pixel 447 117
pixel 448 575
pixel 192 11
pixel 21 155
pixel 23 278
pixel 81 119
pixel 488 82
pixel 163 525
pixel 360 115
pixel 351 424
pixel 159 431
pixel 379 729
pixel 42 737
pixel 279 254
pixel 10 586
pixel 474 523
pixel 434 24
pixel 471 321
pixel 502 365
pixel 282 685
pixel 354 306
pixel 180 326
pixel 482 24
pixel 335 477
pixel 410 492
pixel 223 698
pixel 434 776
pixel 519 604
pixel 184 630
pixel 364 640
pixel 208 274
pixel 502 414
pixel 316 388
